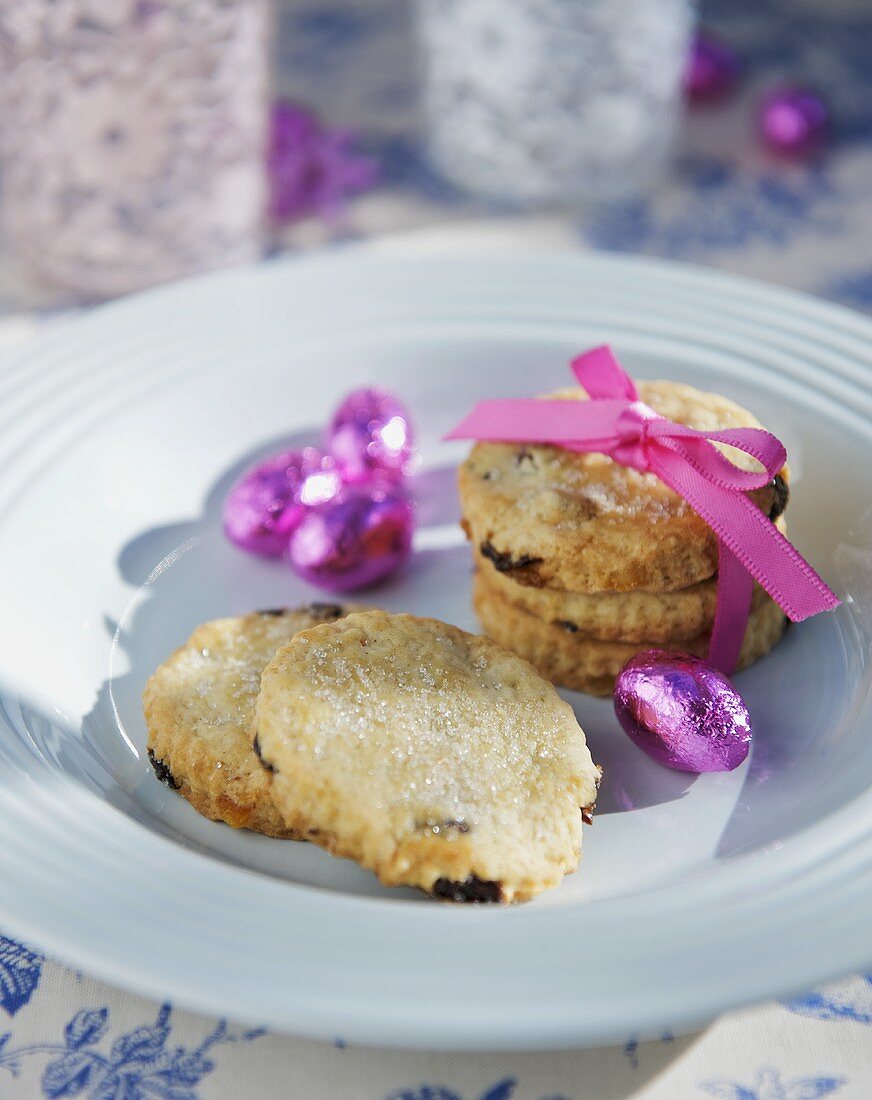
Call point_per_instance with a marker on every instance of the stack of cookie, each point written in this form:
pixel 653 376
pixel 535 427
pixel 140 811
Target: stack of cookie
pixel 433 757
pixel 581 562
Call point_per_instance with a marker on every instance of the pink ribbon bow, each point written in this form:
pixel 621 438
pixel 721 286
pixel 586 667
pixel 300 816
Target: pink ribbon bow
pixel 616 423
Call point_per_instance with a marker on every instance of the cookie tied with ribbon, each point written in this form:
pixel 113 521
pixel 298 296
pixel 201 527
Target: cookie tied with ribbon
pixel 614 422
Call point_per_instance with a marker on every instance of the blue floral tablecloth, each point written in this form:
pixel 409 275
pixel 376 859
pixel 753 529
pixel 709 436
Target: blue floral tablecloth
pixel 63 1034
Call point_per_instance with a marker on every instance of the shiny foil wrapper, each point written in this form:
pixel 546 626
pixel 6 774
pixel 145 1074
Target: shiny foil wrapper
pixel 354 540
pixel 682 712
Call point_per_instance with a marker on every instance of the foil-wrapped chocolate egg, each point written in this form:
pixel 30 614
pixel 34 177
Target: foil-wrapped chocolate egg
pixel 354 540
pixel 371 435
pixel 713 69
pixel 265 507
pixel 682 712
pixel 793 121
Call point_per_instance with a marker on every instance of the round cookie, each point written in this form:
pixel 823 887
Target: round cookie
pixel 651 617
pixel 199 706
pixel 585 664
pixel 433 757
pixel 583 523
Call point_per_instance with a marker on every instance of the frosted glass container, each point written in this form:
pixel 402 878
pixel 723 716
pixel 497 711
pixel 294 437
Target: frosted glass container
pixel 546 102
pixel 133 139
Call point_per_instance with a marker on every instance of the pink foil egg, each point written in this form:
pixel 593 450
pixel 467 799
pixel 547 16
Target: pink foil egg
pixel 793 121
pixel 359 537
pixel 263 510
pixel 682 712
pixel 371 433
pixel 712 70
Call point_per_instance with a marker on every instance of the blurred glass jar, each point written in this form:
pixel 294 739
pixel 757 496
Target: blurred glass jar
pixel 132 139
pixel 552 102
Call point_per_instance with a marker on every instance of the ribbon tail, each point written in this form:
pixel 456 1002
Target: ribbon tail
pixel 751 536
pixel 578 425
pixel 735 590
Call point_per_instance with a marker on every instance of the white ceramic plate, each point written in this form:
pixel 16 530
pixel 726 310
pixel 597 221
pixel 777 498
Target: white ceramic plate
pixel 119 435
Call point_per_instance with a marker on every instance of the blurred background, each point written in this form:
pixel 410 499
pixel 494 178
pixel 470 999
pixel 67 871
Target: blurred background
pixel 146 140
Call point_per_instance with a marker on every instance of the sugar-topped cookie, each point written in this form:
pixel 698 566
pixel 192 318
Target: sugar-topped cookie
pixel 583 523
pixel 199 706
pixel 637 616
pixel 581 663
pixel 431 756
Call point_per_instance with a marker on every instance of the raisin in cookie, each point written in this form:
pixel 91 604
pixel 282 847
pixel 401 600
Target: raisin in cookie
pixel 585 664
pixel 199 706
pixel 583 523
pixel 431 756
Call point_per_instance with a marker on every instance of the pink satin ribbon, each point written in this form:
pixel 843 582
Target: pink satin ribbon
pixel 616 423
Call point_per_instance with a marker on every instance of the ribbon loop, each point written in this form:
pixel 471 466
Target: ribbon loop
pixel 600 373
pixel 616 423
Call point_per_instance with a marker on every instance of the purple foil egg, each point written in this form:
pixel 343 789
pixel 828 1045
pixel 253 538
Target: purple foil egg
pixel 683 712
pixel 712 70
pixel 793 121
pixel 359 537
pixel 263 510
pixel 371 433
